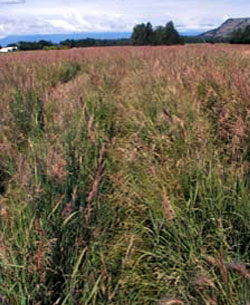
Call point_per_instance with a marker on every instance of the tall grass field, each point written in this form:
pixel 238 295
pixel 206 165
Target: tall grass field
pixel 125 176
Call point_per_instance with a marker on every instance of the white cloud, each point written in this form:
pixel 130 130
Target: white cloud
pixel 12 1
pixel 1 30
pixel 225 17
pixel 62 24
pixel 60 16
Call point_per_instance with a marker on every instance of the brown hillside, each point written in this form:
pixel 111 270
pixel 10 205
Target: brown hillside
pixel 227 28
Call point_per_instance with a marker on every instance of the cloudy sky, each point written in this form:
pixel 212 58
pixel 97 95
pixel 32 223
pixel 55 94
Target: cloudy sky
pixel 66 16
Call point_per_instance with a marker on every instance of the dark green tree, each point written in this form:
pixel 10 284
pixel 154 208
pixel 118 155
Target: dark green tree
pixel 33 45
pixel 12 45
pixel 44 43
pixel 241 36
pixel 236 36
pixel 158 36
pixel 171 36
pixel 149 33
pixel 142 34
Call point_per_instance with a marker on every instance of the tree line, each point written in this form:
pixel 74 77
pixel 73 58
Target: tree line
pixel 69 43
pixel 35 45
pixel 143 34
pixel 91 42
pixel 241 36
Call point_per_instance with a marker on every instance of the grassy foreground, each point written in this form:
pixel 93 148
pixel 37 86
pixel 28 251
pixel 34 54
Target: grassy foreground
pixel 125 176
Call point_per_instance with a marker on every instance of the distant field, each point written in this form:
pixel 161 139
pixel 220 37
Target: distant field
pixel 125 176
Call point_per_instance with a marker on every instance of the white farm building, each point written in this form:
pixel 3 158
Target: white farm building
pixel 8 49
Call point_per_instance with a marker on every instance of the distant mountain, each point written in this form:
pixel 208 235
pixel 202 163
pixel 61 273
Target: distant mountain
pixel 56 38
pixel 190 33
pixel 227 28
